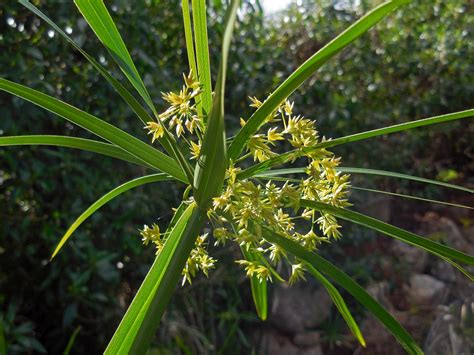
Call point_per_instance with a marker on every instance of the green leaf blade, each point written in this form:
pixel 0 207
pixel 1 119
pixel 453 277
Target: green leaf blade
pixel 258 287
pixel 104 200
pixel 338 302
pixel 123 92
pixel 410 197
pixel 351 170
pixel 99 19
pixel 345 281
pixel 202 53
pixel 73 142
pixel 283 158
pixel 99 127
pixel 392 231
pixel 393 129
pixel 212 162
pixel 308 68
pixel 142 317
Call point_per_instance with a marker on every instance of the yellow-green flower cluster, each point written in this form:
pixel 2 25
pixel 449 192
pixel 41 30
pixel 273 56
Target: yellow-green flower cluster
pixel 182 112
pixel 198 260
pixel 246 206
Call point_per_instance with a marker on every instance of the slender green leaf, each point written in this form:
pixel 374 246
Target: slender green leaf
pixel 393 129
pixel 392 231
pixel 142 318
pixel 338 302
pixel 411 197
pixel 105 199
pixel 345 281
pixel 285 157
pixel 259 288
pixel 402 176
pixel 114 135
pixel 212 163
pixel 73 142
pixel 349 170
pixel 277 178
pixel 308 68
pixel 126 95
pixel 99 19
pixel 188 34
pixel 71 341
pixel 202 53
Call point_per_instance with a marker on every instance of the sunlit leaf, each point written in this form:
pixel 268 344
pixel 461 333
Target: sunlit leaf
pixel 212 162
pixel 392 231
pixel 104 200
pixel 99 127
pixel 259 288
pixel 338 302
pixel 308 68
pixel 283 158
pixel 138 326
pixel 345 281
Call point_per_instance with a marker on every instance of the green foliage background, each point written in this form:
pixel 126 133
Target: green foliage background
pixel 417 64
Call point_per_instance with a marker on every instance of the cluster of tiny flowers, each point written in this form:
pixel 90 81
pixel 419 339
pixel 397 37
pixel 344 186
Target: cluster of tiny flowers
pixel 246 206
pixel 198 260
pixel 182 112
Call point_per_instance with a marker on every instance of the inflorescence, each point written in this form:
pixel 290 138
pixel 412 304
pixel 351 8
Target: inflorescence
pixel 247 206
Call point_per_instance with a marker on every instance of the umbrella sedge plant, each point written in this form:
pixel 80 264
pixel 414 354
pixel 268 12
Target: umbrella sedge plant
pixel 237 187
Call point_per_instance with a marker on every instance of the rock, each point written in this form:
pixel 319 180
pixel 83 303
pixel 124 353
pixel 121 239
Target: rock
pixel 274 343
pixel 450 333
pixel 295 309
pixel 379 207
pixel 444 271
pixel 307 338
pixel 314 350
pixel 426 290
pixel 416 258
pixel 445 229
pixel 378 338
pixel 380 291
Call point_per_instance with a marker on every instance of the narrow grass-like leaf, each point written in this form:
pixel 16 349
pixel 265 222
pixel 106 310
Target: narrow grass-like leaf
pixel 126 95
pixel 259 288
pixel 212 162
pixel 105 199
pixel 308 68
pixel 202 53
pixel 99 19
pixel 338 302
pixel 188 35
pixel 167 141
pixel 99 127
pixel 350 170
pixel 345 281
pixel 393 129
pixel 402 176
pixel 392 231
pixel 142 318
pixel 285 157
pixel 277 178
pixel 411 197
pixel 73 142
pixel 71 341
